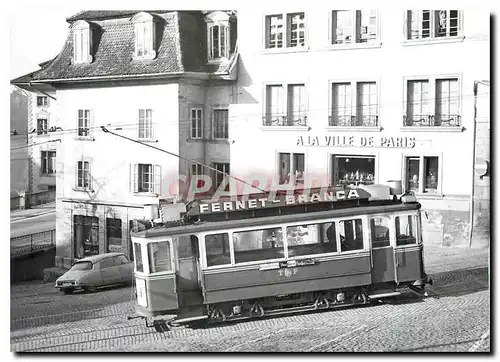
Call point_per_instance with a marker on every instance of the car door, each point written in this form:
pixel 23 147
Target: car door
pixel 110 272
pixel 125 268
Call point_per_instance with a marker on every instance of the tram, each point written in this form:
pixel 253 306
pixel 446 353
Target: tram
pixel 262 255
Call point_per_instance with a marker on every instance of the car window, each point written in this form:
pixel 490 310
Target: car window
pixel 107 263
pixel 82 265
pixel 121 259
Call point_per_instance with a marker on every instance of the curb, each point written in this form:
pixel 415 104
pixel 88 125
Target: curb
pixel 19 218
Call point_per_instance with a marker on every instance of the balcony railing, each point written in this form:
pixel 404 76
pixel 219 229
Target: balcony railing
pixel 353 121
pixel 428 120
pixel 284 121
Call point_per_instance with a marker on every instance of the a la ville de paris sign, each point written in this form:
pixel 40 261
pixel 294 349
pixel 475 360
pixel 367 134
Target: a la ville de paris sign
pixel 356 141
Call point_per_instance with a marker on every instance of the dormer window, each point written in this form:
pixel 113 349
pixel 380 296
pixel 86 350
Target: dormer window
pixel 145 35
pixel 219 37
pixel 82 42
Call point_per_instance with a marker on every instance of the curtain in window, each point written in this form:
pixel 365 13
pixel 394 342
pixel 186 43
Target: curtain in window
pixel 296 103
pixel 275 103
pixel 221 123
pixel 367 104
pixel 341 104
pixel 446 99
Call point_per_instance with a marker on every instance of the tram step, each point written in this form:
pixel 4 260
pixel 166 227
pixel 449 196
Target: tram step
pixel 189 319
pixel 384 295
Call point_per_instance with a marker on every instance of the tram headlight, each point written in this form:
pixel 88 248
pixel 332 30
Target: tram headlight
pixel 142 299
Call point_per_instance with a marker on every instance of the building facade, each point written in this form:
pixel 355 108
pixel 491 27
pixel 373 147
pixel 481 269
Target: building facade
pixel 162 79
pixel 353 97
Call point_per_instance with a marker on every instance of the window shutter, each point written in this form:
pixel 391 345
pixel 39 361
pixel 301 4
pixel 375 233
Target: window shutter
pixel 135 177
pixel 90 174
pixel 157 179
pixel 76 174
pixel 91 123
pixel 151 124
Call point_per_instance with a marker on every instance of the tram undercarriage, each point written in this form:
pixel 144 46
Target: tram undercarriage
pixel 282 305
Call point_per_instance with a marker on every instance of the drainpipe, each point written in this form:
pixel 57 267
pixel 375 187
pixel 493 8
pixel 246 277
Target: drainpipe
pixel 471 211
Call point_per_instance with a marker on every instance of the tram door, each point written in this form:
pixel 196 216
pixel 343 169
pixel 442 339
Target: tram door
pixel 382 250
pixel 408 252
pixel 188 268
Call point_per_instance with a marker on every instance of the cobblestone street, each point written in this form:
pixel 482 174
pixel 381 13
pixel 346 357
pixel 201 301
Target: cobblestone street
pixel 455 317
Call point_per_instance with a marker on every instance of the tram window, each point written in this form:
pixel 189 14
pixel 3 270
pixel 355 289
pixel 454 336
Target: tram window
pixel 257 245
pixel 405 230
pixel 184 246
pixel 351 234
pixel 217 249
pixel 380 231
pixel 159 257
pixel 311 239
pixel 138 258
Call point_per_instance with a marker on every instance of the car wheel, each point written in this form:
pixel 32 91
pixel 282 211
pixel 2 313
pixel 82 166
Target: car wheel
pixel 68 291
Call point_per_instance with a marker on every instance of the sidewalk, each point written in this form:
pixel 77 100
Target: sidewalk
pixel 34 211
pixel 439 259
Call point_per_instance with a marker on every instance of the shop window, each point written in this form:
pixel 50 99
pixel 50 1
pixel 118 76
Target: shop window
pixel 422 174
pixel 291 168
pixel 353 170
pixel 114 235
pixel 405 230
pixel 258 245
pixel 351 235
pixel 159 257
pixel 217 249
pixel 379 227
pixel 86 236
pixel 311 239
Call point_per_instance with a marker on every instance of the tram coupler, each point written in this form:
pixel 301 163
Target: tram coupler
pixel 160 325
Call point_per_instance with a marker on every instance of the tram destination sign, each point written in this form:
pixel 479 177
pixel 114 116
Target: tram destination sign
pixel 280 201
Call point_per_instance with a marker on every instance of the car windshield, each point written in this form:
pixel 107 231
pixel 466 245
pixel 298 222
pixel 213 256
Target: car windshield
pixel 82 265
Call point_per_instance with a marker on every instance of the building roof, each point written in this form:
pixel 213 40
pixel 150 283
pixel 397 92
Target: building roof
pixel 181 48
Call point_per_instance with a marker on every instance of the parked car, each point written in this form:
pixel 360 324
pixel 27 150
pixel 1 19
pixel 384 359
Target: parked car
pixel 103 270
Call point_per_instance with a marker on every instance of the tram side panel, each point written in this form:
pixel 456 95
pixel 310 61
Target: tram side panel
pixel 251 282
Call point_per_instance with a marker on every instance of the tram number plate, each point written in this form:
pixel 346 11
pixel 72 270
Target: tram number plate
pixel 288 272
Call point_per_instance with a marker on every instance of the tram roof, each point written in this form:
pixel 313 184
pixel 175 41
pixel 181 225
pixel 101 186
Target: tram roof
pixel 373 208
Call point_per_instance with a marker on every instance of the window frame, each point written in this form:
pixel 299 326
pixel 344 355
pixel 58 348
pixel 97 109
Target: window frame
pixel 44 120
pixel 156 176
pixel 83 160
pixel 48 163
pixel 171 255
pixel 282 120
pixel 345 154
pixel 421 173
pixel 82 42
pixel 44 103
pixel 286 31
pixel 374 43
pixel 432 29
pixel 390 221
pixel 226 168
pixel 293 179
pixel 90 124
pixel 225 127
pixel 196 124
pixel 144 21
pixel 415 226
pixel 354 99
pixel 147 127
pixel 113 227
pixel 432 104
